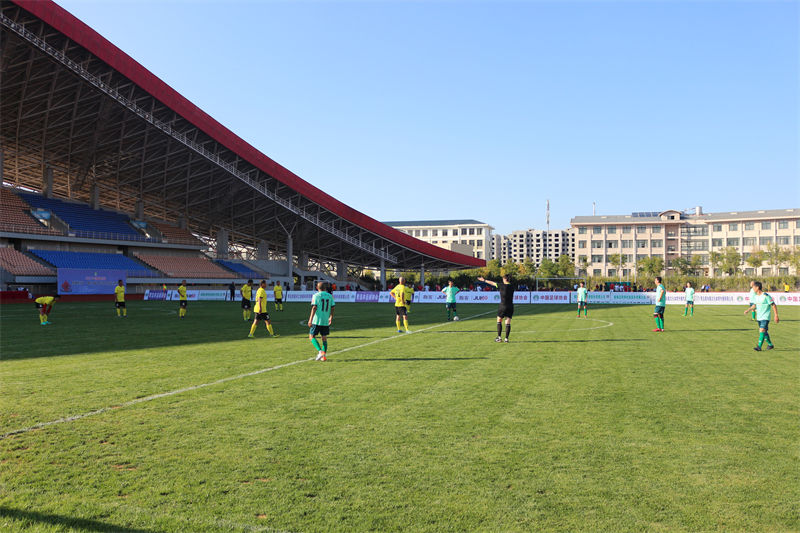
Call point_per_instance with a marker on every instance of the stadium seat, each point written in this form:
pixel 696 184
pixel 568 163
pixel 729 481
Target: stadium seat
pixel 91 260
pixel 185 266
pixel 241 269
pixel 19 264
pixel 174 234
pixel 15 215
pixel 84 221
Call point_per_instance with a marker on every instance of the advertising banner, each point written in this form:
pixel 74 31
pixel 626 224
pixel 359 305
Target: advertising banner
pixel 298 296
pixel 549 297
pixel 88 281
pixel 342 297
pixel 367 296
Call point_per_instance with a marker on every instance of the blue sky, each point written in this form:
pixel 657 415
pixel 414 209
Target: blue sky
pixel 450 109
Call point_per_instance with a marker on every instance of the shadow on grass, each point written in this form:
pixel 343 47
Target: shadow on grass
pixel 721 329
pixel 59 521
pixel 407 359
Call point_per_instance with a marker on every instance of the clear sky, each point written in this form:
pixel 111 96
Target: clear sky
pixel 465 109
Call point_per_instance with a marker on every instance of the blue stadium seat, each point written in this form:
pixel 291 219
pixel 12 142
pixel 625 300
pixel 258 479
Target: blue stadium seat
pixel 84 221
pixel 239 269
pixel 90 260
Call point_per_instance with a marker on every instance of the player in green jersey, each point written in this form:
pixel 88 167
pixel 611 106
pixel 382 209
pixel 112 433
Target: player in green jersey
pixel 763 306
pixel 689 299
pixel 752 299
pixel 450 302
pixel 583 294
pixel 320 319
pixel 661 304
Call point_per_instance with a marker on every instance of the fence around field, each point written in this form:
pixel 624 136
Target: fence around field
pixel 520 297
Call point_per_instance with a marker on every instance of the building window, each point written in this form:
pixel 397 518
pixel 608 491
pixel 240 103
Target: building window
pixel 463 231
pixel 478 231
pixel 797 224
pixel 597 244
pixel 732 241
pixel 656 229
pixel 444 233
pixel 670 248
pixel 717 227
pixel 597 230
pixel 626 229
pixel 417 233
pixel 612 244
pixel 657 243
pixel 733 227
pixel 716 243
pixel 797 239
pixel 582 230
pixel 766 271
pixel 748 241
pixel 612 272
pixel 472 242
pixel 611 229
pixel 749 226
pixel 641 244
pixel 597 272
pixel 581 244
pixel 782 240
pixel 763 241
pixel 480 242
pixel 783 224
pixel 671 234
pixel 749 271
pixel 597 259
pixel 472 231
pixel 766 225
pixel 424 233
pixel 434 233
pixel 641 229
pixel 627 244
pixel 783 271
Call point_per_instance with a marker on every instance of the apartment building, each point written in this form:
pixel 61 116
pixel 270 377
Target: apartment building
pixel 535 245
pixel 469 237
pixel 672 234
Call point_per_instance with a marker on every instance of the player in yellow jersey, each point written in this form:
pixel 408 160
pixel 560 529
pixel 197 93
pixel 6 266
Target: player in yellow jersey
pixel 409 296
pixel 45 305
pixel 183 301
pixel 399 294
pixel 261 310
pixel 277 290
pixel 247 295
pixel 119 299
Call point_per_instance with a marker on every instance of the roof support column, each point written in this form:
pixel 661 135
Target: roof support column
pixel 422 275
pixel 341 271
pixel 383 275
pixel 1 164
pixel 262 254
pixel 47 181
pixel 222 243
pixel 289 256
pixel 95 196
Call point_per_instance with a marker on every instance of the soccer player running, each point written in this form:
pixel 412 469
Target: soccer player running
pixel 505 311
pixel 763 306
pixel 119 299
pixel 450 303
pixel 183 300
pixel 582 297
pixel 661 304
pixel 320 319
pixel 752 299
pixel 45 306
pixel 277 291
pixel 399 294
pixel 247 295
pixel 689 299
pixel 261 310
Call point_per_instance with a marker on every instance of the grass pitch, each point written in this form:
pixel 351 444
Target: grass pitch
pixel 576 425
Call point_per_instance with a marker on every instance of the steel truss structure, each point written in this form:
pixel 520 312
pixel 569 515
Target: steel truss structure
pixel 73 104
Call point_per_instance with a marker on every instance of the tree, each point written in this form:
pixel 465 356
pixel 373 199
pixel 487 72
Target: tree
pixel 527 269
pixel 510 268
pixel 565 266
pixel 650 265
pixel 547 269
pixel 776 256
pixel 682 265
pixel 583 263
pixel 493 268
pixel 730 259
pixel 696 264
pixel 755 259
pixel 618 261
pixel 794 259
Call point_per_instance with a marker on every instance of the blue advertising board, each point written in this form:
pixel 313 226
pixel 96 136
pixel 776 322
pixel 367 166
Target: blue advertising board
pixel 88 281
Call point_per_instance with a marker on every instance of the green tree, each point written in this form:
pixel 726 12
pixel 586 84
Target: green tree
pixel 618 261
pixel 776 256
pixel 510 268
pixel 527 269
pixel 565 266
pixel 652 266
pixel 682 266
pixel 493 268
pixel 583 263
pixel 755 259
pixel 547 269
pixel 794 259
pixel 696 264
pixel 729 260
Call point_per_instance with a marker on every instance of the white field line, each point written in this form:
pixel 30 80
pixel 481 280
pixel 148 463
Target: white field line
pixel 211 383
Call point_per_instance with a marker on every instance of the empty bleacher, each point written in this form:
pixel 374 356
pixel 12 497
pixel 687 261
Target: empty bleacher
pixel 84 221
pixel 174 235
pixel 20 264
pixel 186 266
pixel 15 215
pixel 92 260
pixel 240 268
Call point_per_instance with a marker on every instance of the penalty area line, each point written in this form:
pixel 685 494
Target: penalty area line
pixel 152 397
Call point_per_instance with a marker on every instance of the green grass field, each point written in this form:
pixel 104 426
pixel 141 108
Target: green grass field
pixel 576 425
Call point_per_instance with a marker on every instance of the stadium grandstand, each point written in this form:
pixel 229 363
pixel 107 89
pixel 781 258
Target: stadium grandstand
pixel 99 156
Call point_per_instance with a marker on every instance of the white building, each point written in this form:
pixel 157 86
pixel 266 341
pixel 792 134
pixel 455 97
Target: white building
pixel 469 237
pixel 535 245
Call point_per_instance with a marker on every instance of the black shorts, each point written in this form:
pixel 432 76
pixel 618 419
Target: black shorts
pixel 119 305
pixel 319 330
pixel 245 303
pixel 38 306
pixel 451 305
pixel 505 311
pixel 401 311
pixel 278 300
pixel 262 316
pixel 581 303
pixel 183 304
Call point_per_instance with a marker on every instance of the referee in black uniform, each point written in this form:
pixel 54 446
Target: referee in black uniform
pixel 506 308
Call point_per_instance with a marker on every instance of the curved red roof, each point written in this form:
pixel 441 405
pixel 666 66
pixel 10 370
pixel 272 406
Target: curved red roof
pixel 76 30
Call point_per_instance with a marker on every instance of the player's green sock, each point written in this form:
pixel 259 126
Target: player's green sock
pixel 585 311
pixel 760 338
pixel 661 319
pixel 448 314
pixel 685 309
pixel 754 315
pixel 325 346
pixel 658 325
pixel 253 328
pixel 315 342
pixel 766 338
